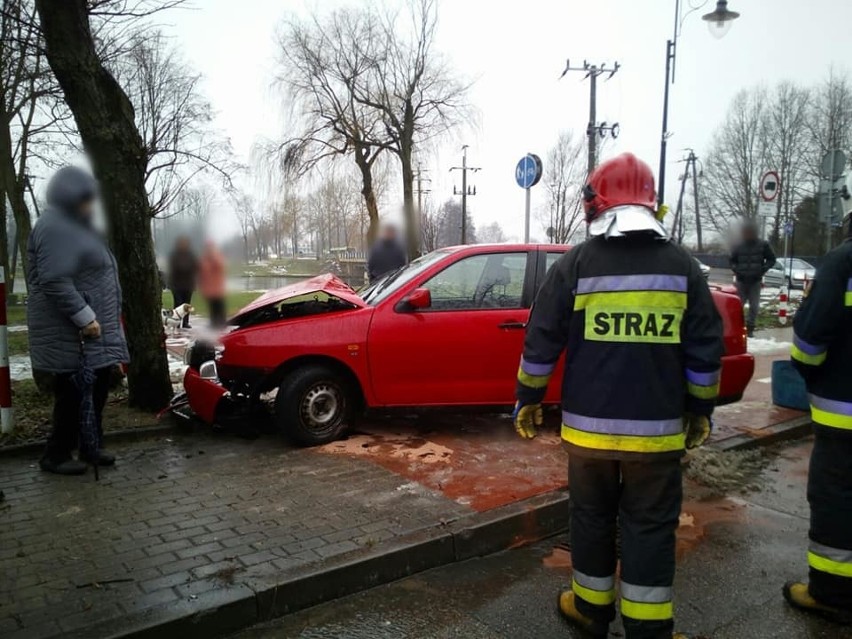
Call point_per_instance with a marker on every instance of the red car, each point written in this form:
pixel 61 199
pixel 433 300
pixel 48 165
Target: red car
pixel 446 330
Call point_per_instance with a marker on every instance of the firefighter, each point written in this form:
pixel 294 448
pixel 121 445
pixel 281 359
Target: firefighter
pixel 643 344
pixel 822 352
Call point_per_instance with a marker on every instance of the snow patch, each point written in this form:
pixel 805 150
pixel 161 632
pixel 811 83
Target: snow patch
pixel 757 345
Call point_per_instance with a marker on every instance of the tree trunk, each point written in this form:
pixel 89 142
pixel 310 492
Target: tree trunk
pixel 105 120
pixel 369 196
pixel 409 214
pixel 14 189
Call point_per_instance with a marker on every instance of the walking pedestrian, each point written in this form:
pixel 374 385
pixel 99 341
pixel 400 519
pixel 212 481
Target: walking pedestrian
pixel 642 342
pixel 822 352
pixel 74 294
pixel 386 255
pixel 750 260
pixel 183 268
pixel 211 282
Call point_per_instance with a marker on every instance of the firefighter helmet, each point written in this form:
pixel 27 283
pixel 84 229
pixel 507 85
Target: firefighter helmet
pixel 624 180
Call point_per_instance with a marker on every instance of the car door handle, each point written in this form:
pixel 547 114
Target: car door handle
pixel 512 325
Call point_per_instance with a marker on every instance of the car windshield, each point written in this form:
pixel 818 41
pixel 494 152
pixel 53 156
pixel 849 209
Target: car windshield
pixel 390 283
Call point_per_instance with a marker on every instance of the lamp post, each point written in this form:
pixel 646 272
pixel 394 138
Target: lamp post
pixel 719 22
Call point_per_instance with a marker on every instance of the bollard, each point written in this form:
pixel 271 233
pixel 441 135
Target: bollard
pixel 782 309
pixel 7 420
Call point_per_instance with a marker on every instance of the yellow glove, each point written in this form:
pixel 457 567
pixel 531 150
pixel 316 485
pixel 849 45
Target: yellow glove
pixel 526 418
pixel 697 429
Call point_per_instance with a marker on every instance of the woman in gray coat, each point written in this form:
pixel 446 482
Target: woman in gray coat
pixel 74 294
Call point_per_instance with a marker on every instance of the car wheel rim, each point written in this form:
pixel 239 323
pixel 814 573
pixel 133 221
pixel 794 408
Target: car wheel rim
pixel 321 406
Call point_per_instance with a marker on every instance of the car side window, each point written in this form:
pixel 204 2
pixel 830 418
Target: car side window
pixel 494 280
pixel 552 258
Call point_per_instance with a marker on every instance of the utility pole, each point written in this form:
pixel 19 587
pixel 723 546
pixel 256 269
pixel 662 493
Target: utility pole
pixel 691 161
pixel 593 129
pixel 420 191
pixel 465 190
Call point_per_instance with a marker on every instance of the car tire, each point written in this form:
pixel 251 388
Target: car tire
pixel 313 406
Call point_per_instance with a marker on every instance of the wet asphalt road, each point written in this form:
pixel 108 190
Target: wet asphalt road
pixel 728 586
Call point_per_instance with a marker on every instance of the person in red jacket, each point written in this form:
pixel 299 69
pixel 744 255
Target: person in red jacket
pixel 211 282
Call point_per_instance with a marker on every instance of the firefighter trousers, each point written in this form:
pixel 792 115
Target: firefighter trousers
pixel 830 498
pixel 644 499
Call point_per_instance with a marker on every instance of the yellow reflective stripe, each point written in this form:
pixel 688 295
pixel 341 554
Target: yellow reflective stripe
pixel 801 356
pixel 835 420
pixel 626 443
pixel 596 597
pixel 702 392
pixel 828 565
pixel 533 381
pixel 632 299
pixel 647 611
pixel 847 299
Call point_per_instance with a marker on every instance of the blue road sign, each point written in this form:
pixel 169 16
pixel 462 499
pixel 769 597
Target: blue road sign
pixel 528 171
pixel 788 228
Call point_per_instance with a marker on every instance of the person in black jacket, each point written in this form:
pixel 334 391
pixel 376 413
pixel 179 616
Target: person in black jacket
pixel 386 255
pixel 183 269
pixel 822 353
pixel 750 261
pixel 642 341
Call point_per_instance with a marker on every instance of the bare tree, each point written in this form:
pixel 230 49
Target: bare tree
pixel 565 175
pixel 417 93
pixel 172 116
pixel 735 161
pixel 105 120
pixel 245 213
pixel 491 234
pixel 788 150
pixel 324 63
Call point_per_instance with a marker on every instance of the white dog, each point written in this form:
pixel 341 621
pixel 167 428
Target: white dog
pixel 173 319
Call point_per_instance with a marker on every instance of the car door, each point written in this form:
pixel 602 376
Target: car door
pixel 465 347
pixel 775 276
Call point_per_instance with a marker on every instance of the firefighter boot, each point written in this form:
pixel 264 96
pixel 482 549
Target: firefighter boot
pixel 798 596
pixel 568 608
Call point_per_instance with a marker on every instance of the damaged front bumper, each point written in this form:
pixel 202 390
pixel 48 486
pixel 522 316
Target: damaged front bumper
pixel 204 394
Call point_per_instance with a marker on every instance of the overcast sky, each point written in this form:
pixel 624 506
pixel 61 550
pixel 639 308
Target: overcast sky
pixel 515 51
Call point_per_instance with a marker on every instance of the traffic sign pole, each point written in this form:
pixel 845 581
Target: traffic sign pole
pixel 527 175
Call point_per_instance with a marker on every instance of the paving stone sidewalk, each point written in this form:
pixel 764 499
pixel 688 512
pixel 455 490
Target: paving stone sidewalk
pixel 183 516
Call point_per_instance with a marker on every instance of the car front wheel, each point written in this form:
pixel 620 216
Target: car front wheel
pixel 313 406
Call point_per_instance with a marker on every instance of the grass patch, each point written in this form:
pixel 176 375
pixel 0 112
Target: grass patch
pixel 33 409
pixel 16 315
pixel 234 301
pixel 19 343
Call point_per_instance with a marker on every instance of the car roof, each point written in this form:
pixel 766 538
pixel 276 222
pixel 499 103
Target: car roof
pixel 507 247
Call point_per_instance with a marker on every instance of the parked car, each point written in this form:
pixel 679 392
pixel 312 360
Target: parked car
pixel 705 270
pixel 793 271
pixel 446 330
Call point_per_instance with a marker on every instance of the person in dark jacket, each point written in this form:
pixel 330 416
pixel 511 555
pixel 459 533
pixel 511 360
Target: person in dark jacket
pixel 386 254
pixel 750 260
pixel 183 269
pixel 74 295
pixel 822 353
pixel 642 340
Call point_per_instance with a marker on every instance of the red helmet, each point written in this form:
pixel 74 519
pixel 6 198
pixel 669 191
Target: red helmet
pixel 623 180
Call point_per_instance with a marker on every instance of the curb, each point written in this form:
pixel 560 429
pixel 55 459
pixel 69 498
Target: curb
pixel 116 436
pixel 791 429
pixel 223 611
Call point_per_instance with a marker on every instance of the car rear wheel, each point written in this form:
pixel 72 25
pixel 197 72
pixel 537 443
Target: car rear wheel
pixel 313 406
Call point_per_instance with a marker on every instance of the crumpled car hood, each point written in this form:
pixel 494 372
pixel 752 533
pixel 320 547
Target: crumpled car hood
pixel 326 283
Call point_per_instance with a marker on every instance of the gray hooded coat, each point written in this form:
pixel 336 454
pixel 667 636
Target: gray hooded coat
pixel 72 280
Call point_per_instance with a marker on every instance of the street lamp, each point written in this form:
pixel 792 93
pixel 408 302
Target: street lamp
pixel 719 22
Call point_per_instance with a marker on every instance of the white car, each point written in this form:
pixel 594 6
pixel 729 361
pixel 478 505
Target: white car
pixel 705 270
pixel 792 271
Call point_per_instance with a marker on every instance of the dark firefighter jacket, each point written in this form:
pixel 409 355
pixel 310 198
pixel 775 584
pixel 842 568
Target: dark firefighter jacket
pixel 822 342
pixel 644 346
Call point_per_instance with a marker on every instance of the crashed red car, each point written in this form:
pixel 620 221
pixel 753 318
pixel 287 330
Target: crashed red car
pixel 446 330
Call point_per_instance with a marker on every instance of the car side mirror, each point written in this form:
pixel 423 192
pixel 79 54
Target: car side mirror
pixel 418 299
